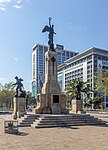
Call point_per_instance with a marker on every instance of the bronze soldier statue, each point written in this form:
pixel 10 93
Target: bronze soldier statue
pixel 19 88
pixel 78 91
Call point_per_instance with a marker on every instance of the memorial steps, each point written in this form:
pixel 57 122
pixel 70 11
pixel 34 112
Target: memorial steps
pixel 47 120
pixel 27 120
pixel 66 120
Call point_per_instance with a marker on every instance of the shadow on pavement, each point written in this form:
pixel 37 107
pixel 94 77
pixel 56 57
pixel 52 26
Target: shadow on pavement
pixel 69 127
pixel 22 134
pixel 19 134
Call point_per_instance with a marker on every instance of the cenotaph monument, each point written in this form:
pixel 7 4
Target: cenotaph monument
pixel 19 99
pixel 51 99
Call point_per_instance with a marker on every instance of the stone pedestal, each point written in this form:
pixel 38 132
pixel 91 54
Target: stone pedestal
pixel 19 107
pixel 51 100
pixel 77 106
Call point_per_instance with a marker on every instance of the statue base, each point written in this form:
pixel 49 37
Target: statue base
pixel 19 107
pixel 77 106
pixel 50 107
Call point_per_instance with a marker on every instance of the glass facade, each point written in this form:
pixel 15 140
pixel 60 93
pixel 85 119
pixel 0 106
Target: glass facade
pixel 60 81
pixel 34 66
pixel 33 89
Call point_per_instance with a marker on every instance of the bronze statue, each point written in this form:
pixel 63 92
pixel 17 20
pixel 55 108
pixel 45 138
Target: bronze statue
pixel 19 88
pixel 78 91
pixel 50 29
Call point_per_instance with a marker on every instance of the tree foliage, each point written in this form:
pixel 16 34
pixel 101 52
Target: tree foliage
pixel 6 94
pixel 30 99
pixel 100 88
pixel 97 102
pixel 71 88
pixel 101 83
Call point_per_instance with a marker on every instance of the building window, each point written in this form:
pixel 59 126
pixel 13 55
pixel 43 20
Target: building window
pixel 67 54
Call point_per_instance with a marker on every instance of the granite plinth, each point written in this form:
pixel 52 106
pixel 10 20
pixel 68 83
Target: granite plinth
pixel 77 106
pixel 19 107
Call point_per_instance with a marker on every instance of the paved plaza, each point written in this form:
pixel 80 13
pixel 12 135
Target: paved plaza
pixel 67 138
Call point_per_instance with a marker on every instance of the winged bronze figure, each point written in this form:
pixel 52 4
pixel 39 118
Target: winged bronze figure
pixel 50 30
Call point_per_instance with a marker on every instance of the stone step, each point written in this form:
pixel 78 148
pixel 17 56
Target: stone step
pixel 65 125
pixel 42 120
pixel 27 120
pixel 53 120
pixel 31 116
pixel 24 125
pixel 69 122
pixel 66 120
pixel 65 116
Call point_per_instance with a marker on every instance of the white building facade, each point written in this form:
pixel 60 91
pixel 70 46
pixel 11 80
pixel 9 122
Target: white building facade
pixel 83 66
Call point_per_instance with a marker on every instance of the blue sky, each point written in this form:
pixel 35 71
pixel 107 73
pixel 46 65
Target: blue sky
pixel 79 24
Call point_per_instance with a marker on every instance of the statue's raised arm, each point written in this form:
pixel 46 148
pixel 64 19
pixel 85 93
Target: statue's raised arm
pixel 50 29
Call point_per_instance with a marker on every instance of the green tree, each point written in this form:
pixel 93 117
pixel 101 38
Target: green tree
pixel 97 101
pixel 71 89
pixel 1 86
pixel 102 82
pixel 30 100
pixel 101 88
pixel 6 94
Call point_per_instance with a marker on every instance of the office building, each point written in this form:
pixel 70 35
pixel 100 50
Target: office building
pixel 83 66
pixel 38 64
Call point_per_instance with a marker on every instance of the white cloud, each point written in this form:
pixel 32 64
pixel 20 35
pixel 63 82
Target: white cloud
pixel 15 3
pixel 3 4
pixel 71 26
pixel 1 79
pixel 19 2
pixel 16 59
pixel 17 6
pixel 5 1
pixel 2 8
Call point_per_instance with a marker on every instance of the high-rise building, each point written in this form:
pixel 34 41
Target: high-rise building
pixel 84 66
pixel 38 64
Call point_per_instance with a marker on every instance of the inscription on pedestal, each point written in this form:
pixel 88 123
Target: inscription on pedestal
pixel 55 98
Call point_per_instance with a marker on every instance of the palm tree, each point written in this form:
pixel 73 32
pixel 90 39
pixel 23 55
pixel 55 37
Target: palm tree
pixel 72 92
